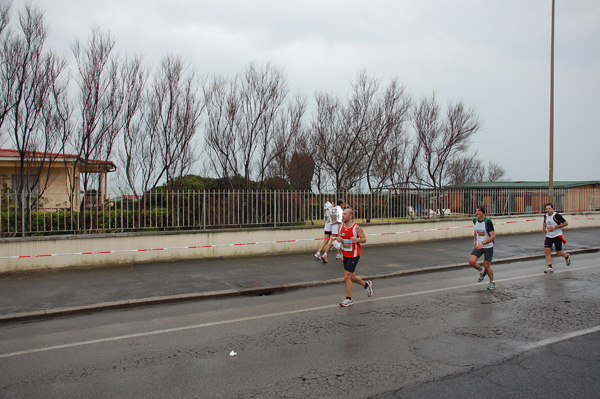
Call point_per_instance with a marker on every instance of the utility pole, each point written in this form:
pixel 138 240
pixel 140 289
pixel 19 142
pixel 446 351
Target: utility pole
pixel 551 169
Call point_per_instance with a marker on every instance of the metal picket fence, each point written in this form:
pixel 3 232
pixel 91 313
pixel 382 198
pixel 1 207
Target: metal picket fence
pixel 214 209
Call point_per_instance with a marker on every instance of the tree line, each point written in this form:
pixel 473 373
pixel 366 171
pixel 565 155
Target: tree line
pixel 160 123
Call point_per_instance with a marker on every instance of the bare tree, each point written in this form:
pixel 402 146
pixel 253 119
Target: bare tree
pixel 362 111
pixel 32 92
pixel 494 172
pixel 465 169
pixel 470 169
pixel 135 153
pixel 222 107
pixel 4 15
pixel 36 85
pixel 336 132
pixel 8 67
pixel 248 123
pixel 266 127
pixel 397 161
pixel 56 128
pixel 442 140
pixel 174 108
pixel 326 139
pixel 289 142
pixel 385 142
pixel 99 106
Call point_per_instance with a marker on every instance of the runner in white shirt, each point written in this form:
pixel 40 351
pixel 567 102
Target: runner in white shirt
pixel 327 212
pixel 553 224
pixel 483 241
pixel 335 228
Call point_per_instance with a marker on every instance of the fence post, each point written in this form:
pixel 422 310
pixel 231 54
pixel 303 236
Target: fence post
pixel 202 202
pixel 121 210
pixel 22 213
pixel 274 208
pixel 389 203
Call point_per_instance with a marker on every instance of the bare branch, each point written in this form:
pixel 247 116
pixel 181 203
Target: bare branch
pixel 100 103
pixel 136 151
pixel 174 111
pixel 442 140
pixel 248 124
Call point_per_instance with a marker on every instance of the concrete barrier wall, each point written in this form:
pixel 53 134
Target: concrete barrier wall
pixel 124 249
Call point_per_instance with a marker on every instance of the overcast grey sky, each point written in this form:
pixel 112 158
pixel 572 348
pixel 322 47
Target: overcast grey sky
pixel 494 55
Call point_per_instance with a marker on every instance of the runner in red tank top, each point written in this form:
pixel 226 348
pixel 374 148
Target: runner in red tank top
pixel 350 237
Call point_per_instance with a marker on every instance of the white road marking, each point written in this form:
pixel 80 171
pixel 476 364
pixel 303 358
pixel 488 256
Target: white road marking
pixel 297 311
pixel 560 338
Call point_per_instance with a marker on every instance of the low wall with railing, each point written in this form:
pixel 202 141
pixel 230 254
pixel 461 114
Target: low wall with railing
pixel 35 253
pixel 217 209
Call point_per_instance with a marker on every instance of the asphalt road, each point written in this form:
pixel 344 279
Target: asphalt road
pixel 436 334
pixel 38 294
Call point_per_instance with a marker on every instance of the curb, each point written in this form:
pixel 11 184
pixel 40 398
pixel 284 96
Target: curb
pixel 263 290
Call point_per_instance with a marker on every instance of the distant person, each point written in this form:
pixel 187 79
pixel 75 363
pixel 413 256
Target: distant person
pixel 553 225
pixel 327 217
pixel 350 237
pixel 483 241
pixel 411 212
pixel 336 222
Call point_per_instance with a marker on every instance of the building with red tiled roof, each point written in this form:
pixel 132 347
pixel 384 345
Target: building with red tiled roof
pixel 56 175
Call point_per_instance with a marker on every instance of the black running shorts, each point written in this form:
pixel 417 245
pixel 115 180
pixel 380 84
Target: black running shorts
pixel 488 253
pixel 553 240
pixel 350 264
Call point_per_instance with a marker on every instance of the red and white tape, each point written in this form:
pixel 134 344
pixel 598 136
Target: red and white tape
pixel 252 243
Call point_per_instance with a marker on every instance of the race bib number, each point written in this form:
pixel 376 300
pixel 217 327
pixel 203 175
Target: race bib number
pixel 346 245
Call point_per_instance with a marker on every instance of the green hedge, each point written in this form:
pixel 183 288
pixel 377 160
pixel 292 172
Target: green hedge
pixel 61 222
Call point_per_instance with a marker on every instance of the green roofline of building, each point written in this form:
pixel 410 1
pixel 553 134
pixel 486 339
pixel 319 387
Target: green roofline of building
pixel 525 184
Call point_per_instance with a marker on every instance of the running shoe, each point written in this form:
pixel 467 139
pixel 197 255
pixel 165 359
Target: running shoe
pixel 491 286
pixel 549 270
pixel 318 255
pixel 568 260
pixel 338 257
pixel 482 275
pixel 346 302
pixel 369 288
pixel 324 258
